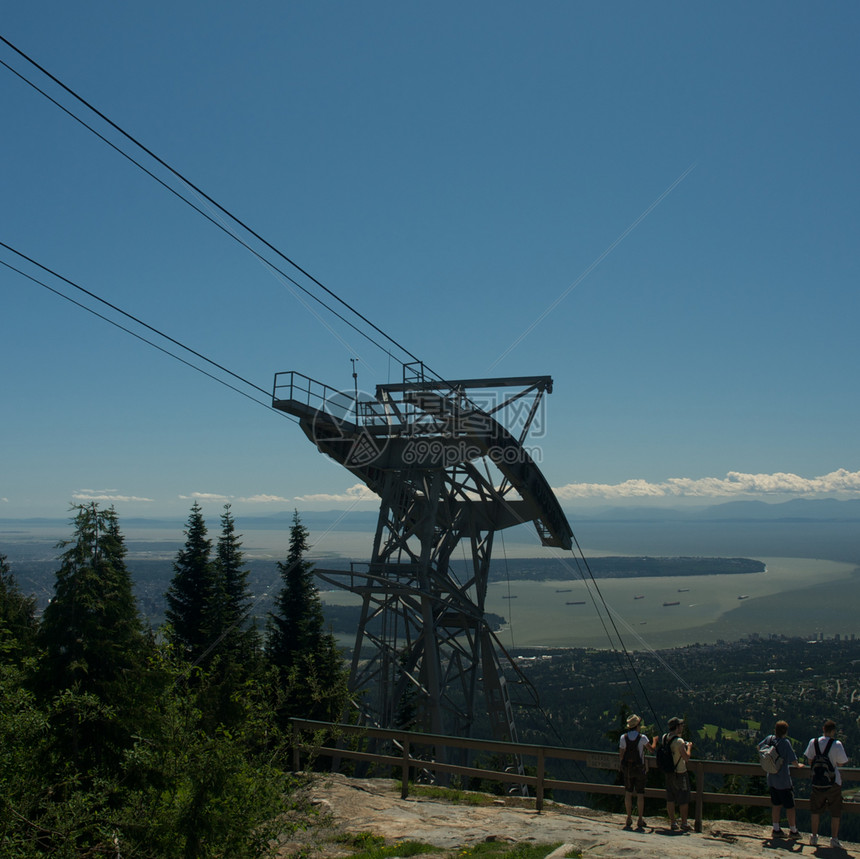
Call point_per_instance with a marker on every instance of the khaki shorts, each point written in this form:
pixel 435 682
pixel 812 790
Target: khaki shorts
pixel 826 798
pixel 678 788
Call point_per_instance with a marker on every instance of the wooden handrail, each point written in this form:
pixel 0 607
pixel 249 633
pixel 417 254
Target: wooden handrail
pixel 539 783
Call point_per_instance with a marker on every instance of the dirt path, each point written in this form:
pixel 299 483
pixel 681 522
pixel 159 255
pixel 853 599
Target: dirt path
pixel 374 806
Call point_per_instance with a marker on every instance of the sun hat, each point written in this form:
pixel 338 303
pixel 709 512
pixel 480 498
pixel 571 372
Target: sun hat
pixel 633 721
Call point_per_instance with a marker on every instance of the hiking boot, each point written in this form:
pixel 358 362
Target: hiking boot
pixel 776 833
pixel 685 827
pixel 834 842
pixel 794 833
pixel 813 840
pixel 674 826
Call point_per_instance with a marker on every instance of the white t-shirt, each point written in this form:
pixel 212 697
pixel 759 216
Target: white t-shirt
pixel 837 754
pixel 630 736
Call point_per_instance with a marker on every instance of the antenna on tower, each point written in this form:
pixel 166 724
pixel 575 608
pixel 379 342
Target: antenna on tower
pixel 355 383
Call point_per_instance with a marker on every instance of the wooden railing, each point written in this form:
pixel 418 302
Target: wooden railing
pixel 332 740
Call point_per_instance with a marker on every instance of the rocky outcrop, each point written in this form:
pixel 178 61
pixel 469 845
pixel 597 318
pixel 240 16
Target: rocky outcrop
pixel 346 805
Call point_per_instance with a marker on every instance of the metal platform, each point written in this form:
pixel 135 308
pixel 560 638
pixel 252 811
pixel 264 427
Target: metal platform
pixel 449 464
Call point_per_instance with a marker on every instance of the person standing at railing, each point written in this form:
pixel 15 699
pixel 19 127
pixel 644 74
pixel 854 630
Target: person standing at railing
pixel 631 754
pixel 779 783
pixel 825 755
pixel 677 781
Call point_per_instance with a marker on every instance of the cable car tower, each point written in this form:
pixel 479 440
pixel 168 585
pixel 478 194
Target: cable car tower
pixel 448 472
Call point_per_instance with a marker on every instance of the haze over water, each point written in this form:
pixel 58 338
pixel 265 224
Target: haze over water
pixel 811 585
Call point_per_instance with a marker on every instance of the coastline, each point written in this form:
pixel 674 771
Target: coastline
pixel 786 599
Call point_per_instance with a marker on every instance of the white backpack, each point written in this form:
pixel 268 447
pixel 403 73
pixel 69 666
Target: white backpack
pixel 768 756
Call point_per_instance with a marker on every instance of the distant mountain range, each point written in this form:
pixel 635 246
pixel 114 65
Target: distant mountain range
pixel 797 510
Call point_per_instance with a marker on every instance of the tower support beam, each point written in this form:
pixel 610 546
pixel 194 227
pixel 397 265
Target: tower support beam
pixel 448 472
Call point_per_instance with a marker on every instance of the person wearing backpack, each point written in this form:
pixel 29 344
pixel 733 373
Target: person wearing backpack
pixel 825 755
pixel 779 783
pixel 678 780
pixel 631 754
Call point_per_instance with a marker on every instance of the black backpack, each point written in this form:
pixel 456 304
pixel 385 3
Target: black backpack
pixel 823 772
pixel 665 761
pixel 631 751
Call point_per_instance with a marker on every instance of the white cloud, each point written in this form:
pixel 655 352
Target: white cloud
pixel 265 499
pixel 105 496
pixel 206 496
pixel 357 493
pixel 840 483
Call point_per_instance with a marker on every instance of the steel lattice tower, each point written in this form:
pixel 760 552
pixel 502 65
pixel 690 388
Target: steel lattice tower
pixel 447 472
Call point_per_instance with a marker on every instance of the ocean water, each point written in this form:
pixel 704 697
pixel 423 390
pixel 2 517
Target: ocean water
pixel 794 596
pixel 811 585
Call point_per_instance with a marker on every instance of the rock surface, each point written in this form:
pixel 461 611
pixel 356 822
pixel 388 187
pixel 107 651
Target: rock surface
pixel 374 806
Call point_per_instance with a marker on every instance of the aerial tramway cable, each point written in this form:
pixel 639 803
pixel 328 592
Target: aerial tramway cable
pixel 236 220
pixel 140 337
pixel 251 232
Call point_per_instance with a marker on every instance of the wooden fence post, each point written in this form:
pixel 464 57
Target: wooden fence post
pixel 541 766
pixel 297 755
pixel 700 791
pixel 404 786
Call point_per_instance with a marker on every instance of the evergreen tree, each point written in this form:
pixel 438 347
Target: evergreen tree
pixel 296 625
pixel 93 642
pixel 240 638
pixel 304 654
pixel 193 599
pixel 91 630
pixel 17 617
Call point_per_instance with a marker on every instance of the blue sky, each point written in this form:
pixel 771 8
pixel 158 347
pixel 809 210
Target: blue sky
pixel 656 204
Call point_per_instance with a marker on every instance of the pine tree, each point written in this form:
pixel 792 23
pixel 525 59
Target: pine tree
pixel 193 599
pixel 304 654
pixel 93 641
pixel 297 622
pixel 91 630
pixel 17 617
pixel 240 638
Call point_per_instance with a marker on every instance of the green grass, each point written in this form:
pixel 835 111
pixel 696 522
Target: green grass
pixel 710 731
pixel 369 846
pixel 401 848
pixel 500 850
pixel 458 797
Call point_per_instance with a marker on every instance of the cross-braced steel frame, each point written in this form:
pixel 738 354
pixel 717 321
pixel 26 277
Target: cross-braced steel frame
pixel 449 475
